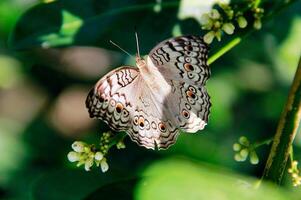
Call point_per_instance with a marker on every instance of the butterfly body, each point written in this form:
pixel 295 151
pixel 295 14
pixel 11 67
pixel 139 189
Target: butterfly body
pixel 163 94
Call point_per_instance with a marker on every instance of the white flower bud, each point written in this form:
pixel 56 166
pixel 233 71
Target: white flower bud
pixel 214 14
pixel 218 35
pixel 228 28
pixel 73 156
pixel 230 13
pixel 242 22
pixel 78 146
pixel 244 153
pixel 217 24
pixel 209 37
pixel 254 158
pixel 205 19
pixel 120 145
pixel 104 165
pixel 244 141
pixel 236 147
pixel 88 164
pixel 257 24
pixel 238 157
pixel 98 156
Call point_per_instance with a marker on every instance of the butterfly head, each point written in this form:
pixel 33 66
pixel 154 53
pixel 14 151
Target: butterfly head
pixel 140 62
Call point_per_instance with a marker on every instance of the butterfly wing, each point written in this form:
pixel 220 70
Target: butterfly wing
pixel 183 63
pixel 182 58
pixel 192 108
pixel 151 128
pixel 124 101
pixel 110 101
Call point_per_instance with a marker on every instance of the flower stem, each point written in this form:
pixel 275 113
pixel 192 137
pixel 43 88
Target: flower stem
pixel 118 137
pixel 285 133
pixel 232 43
pixel 264 142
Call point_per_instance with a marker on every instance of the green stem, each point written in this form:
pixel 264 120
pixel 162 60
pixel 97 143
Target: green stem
pixel 256 3
pixel 264 142
pixel 232 43
pixel 285 133
pixel 117 138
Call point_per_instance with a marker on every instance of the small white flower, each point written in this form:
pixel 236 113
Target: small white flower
pixel 242 22
pixel 214 14
pixel 244 153
pixel 254 158
pixel 244 141
pixel 88 164
pixel 217 24
pixel 208 38
pixel 236 147
pixel 98 156
pixel 238 157
pixel 205 19
pixel 78 146
pixel 295 175
pixel 228 28
pixel 257 24
pixel 120 145
pixel 73 156
pixel 218 35
pixel 230 13
pixel 104 165
pixel 206 22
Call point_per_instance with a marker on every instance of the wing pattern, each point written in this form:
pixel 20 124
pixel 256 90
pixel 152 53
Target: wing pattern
pixel 182 58
pixel 153 119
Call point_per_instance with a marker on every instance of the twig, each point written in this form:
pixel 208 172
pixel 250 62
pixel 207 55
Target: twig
pixel 285 134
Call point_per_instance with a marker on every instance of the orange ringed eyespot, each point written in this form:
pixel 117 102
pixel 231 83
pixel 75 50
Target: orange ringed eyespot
pixel 188 67
pixel 119 107
pixel 141 121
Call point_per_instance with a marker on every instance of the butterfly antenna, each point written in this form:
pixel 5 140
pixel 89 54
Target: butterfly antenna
pixel 137 43
pixel 120 48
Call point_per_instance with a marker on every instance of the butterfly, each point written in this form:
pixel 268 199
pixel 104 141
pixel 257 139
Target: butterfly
pixel 164 94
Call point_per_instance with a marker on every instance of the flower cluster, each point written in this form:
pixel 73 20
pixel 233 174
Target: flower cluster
pixel 258 14
pixel 88 155
pixel 244 149
pixel 225 19
pixel 293 170
pixel 105 142
pixel 85 154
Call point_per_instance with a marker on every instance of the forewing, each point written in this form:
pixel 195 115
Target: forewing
pixel 113 97
pixel 182 58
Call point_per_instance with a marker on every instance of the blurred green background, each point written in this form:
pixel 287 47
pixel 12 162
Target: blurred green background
pixel 43 90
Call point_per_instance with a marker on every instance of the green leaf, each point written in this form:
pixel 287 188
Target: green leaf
pixel 182 179
pixel 69 28
pixel 90 22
